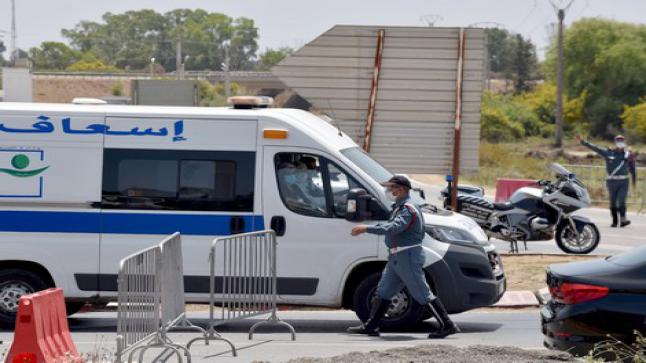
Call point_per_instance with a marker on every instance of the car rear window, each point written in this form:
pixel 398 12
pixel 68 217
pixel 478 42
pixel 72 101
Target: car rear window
pixel 631 258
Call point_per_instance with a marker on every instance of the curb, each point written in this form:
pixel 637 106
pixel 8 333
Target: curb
pixel 517 299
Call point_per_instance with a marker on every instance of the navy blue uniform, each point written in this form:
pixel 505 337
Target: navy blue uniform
pixel 404 233
pixel 619 163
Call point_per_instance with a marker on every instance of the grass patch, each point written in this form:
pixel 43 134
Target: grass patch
pixel 524 160
pixel 527 272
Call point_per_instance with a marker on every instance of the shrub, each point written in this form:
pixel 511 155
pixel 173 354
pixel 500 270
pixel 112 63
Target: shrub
pixel 496 123
pixel 214 95
pixel 634 118
pixel 117 89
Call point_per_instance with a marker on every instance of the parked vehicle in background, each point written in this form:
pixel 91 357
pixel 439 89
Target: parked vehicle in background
pixel 594 300
pixel 534 214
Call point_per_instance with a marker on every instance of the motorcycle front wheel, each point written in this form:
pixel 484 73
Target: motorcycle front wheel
pixel 566 239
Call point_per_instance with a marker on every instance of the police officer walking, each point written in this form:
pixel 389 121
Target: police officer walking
pixel 404 234
pixel 619 162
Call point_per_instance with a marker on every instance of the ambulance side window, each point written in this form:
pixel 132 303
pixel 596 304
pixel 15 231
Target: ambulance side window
pixel 312 185
pixel 300 184
pixel 178 180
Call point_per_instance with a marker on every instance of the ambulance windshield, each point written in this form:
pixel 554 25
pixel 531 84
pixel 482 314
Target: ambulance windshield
pixel 375 170
pixel 366 163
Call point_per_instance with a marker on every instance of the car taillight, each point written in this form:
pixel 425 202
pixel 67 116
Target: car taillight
pixel 569 293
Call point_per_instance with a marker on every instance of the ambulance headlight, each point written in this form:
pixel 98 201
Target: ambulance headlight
pixel 450 234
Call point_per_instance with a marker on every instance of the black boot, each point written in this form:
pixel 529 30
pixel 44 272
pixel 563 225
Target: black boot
pixel 614 212
pixel 447 327
pixel 378 309
pixel 623 221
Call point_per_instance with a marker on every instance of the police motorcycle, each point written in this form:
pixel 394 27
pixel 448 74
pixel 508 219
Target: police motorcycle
pixel 534 214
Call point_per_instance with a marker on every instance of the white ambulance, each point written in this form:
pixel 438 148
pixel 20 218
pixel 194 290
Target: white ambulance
pixel 82 186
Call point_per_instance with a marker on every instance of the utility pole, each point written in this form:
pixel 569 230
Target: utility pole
pixel 226 69
pixel 558 142
pixel 178 59
pixel 14 50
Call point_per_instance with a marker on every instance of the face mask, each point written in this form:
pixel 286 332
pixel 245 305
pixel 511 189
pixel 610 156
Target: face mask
pixel 302 177
pixel 620 144
pixel 290 178
pixel 390 196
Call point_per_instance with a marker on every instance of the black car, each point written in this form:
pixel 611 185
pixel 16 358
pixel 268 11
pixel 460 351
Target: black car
pixel 594 299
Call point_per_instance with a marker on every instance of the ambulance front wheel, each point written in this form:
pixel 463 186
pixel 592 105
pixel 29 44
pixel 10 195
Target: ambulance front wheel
pixel 404 312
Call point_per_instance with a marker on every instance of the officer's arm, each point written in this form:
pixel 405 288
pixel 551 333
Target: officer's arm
pixel 396 226
pixel 599 150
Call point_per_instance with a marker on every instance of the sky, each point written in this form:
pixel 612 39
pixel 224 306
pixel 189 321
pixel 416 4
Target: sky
pixel 293 23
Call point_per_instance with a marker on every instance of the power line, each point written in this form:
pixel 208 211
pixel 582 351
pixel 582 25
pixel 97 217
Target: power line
pixel 531 11
pixel 14 51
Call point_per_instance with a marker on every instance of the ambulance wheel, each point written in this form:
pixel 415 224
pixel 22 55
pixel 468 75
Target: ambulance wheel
pixel 404 312
pixel 15 283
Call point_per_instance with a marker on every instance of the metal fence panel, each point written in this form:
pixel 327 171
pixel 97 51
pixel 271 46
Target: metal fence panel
pixel 247 286
pixel 151 300
pixel 138 311
pixel 172 275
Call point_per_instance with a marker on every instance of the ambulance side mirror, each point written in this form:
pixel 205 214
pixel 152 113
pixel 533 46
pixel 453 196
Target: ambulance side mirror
pixel 357 205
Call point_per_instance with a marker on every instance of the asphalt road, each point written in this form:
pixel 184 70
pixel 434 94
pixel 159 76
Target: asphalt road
pixel 318 334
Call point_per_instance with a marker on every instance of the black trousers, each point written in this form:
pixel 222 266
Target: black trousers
pixel 618 191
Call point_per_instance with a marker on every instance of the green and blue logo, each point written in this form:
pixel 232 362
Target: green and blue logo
pixel 22 173
pixel 19 163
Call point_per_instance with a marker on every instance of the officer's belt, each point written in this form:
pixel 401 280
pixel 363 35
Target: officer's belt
pixel 617 177
pixel 395 250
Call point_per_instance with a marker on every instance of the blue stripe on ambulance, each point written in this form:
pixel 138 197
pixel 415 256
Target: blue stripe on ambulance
pixel 123 223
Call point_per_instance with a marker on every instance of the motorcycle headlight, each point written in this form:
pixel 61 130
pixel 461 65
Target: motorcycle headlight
pixel 450 234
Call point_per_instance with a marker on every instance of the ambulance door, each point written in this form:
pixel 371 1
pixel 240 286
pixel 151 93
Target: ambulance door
pixel 304 199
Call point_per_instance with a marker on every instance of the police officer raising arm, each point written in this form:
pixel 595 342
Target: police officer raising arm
pixel 404 233
pixel 619 162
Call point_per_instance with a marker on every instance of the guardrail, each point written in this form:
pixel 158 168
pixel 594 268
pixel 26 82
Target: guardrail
pixel 247 284
pixel 594 178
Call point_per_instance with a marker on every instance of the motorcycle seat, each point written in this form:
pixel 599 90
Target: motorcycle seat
pixel 503 206
pixel 478 201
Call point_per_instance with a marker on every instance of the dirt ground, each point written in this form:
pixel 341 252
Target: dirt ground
pixel 527 272
pixel 446 353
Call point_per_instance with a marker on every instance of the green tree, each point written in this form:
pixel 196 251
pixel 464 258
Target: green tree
pixel 2 49
pixel 606 60
pixel 271 57
pixel 131 39
pixel 512 57
pixel 53 56
pixel 127 40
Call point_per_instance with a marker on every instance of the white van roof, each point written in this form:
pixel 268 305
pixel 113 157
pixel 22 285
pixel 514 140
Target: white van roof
pixel 313 126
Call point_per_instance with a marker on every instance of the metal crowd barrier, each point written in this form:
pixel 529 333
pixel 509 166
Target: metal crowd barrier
pixel 149 284
pixel 247 283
